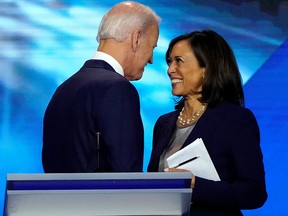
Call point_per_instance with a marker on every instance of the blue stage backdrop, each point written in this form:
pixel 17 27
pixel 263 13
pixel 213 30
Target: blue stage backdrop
pixel 43 42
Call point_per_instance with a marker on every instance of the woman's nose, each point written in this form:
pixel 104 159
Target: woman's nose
pixel 171 69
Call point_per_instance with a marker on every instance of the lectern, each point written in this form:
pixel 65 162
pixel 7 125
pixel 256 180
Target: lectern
pixel 89 194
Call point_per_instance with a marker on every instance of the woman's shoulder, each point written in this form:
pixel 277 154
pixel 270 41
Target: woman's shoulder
pixel 237 111
pixel 231 107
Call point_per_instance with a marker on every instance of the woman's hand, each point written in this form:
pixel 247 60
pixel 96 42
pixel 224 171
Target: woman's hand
pixel 181 170
pixel 175 170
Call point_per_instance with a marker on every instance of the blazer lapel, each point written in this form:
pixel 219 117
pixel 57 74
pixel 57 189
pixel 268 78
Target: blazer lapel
pixel 168 129
pixel 163 136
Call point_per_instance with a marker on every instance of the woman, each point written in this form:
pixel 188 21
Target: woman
pixel 205 75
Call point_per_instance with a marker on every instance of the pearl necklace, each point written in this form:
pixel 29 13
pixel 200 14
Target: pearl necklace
pixel 193 119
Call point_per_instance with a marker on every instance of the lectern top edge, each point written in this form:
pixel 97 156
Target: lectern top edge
pixel 87 176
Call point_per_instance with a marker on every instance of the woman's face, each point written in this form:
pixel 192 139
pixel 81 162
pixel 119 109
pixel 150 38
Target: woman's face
pixel 184 71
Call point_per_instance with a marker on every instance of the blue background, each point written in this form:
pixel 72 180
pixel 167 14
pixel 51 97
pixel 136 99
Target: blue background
pixel 44 42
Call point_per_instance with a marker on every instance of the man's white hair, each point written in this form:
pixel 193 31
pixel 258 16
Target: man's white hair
pixel 125 18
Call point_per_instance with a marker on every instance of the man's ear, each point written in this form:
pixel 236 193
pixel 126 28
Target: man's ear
pixel 136 35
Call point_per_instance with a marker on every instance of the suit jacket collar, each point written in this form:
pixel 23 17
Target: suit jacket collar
pixel 98 55
pixel 93 63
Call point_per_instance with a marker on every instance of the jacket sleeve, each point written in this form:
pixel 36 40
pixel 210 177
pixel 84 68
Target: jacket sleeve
pixel 243 184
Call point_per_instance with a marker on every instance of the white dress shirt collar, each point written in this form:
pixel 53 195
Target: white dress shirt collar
pixel 110 60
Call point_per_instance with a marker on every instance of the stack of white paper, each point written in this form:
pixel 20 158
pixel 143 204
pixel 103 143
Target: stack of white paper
pixel 201 165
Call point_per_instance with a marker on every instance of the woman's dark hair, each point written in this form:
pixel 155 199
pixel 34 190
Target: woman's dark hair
pixel 222 80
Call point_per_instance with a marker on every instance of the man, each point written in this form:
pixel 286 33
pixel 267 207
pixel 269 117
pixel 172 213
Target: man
pixel 93 122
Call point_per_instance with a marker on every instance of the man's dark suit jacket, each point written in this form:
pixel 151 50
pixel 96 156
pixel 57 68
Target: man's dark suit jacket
pixel 95 99
pixel 231 136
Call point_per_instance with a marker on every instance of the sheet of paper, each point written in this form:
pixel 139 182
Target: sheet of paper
pixel 202 166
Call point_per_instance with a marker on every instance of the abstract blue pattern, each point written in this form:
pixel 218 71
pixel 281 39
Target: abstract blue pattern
pixel 43 42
